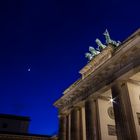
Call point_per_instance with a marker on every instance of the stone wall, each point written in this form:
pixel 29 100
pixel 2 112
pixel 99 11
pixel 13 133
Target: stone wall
pixel 134 93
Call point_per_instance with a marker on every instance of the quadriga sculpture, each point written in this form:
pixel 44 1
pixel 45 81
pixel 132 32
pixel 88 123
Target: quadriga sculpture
pixel 101 46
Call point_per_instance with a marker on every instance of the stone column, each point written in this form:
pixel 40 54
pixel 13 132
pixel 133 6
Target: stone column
pixel 75 124
pixel 81 124
pixel 62 127
pixel 68 128
pixel 92 131
pixel 125 126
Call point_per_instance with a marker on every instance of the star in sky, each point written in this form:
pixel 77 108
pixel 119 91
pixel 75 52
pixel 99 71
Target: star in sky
pixel 29 69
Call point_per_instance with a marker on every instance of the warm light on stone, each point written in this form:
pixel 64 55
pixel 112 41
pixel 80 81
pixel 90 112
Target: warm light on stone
pixel 113 73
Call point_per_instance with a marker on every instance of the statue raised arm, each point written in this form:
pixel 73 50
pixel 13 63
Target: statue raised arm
pixel 107 37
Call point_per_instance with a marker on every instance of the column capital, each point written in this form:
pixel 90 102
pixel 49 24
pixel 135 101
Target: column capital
pixel 75 108
pixel 91 99
pixel 119 82
pixel 62 115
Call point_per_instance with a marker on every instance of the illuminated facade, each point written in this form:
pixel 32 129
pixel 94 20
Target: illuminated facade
pixel 104 104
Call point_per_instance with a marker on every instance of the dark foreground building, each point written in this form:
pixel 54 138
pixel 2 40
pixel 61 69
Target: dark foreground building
pixel 16 128
pixel 104 104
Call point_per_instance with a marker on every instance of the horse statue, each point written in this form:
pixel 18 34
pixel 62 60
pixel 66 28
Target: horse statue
pixel 92 53
pixel 101 46
pixel 109 40
pixel 88 56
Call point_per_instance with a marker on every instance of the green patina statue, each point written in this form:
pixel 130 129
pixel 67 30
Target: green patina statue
pixel 88 56
pixel 92 53
pixel 101 46
pixel 109 40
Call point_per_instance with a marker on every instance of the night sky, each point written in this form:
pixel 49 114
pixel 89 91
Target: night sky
pixel 42 47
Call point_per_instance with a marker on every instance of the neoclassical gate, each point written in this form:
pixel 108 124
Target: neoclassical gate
pixel 104 104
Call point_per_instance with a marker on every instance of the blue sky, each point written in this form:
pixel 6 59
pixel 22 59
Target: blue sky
pixel 50 37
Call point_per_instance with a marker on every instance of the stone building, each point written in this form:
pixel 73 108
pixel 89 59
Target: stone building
pixel 14 127
pixel 104 104
pixel 13 123
pixel 20 136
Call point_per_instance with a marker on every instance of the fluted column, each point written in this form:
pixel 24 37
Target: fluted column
pixel 62 127
pixel 91 120
pixel 125 126
pixel 75 124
